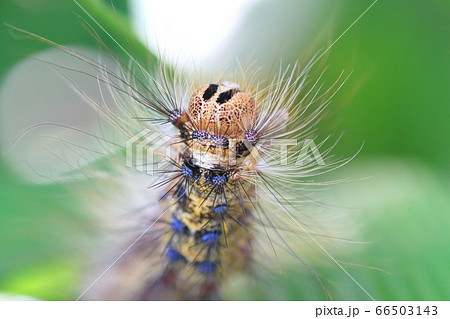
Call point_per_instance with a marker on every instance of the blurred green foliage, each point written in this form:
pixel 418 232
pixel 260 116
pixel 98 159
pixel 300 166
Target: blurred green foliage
pixel 42 233
pixel 396 101
pixel 63 22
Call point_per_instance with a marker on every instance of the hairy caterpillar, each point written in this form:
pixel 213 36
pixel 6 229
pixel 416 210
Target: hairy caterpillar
pixel 214 181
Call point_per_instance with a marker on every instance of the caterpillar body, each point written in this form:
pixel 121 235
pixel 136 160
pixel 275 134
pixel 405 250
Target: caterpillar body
pixel 208 187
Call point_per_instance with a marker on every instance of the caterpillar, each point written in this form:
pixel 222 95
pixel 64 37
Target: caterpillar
pixel 224 180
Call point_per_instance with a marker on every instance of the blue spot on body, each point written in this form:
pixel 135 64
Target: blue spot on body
pixel 190 170
pixel 219 180
pixel 210 238
pixel 176 226
pixel 186 171
pixel 174 255
pixel 206 267
pixel 220 209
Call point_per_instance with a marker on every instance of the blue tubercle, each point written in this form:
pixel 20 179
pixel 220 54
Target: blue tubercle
pixel 206 267
pixel 210 238
pixel 219 180
pixel 176 226
pixel 186 171
pixel 220 209
pixel 174 255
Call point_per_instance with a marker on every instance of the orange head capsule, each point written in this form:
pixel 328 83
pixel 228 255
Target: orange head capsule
pixel 222 111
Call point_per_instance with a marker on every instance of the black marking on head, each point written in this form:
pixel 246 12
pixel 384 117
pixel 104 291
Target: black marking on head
pixel 226 96
pixel 210 91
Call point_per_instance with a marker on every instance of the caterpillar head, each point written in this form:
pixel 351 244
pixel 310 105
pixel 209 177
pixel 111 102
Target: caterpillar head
pixel 217 126
pixel 222 110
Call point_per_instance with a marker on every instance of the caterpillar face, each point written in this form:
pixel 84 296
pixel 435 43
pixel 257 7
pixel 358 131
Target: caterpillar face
pixel 217 128
pixel 222 111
